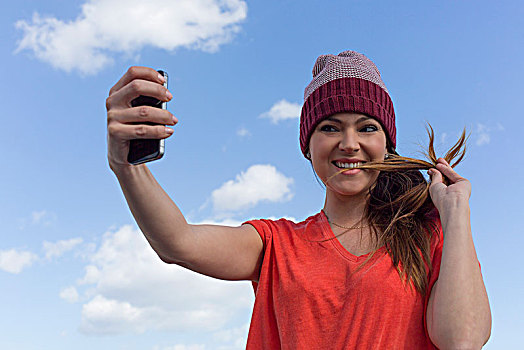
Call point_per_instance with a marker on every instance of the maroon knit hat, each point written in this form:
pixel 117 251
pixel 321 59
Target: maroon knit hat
pixel 348 82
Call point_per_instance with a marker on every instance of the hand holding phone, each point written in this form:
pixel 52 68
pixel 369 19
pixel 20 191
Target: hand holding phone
pixel 146 150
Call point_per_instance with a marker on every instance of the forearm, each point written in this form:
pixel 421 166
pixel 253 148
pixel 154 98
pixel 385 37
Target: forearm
pixel 459 315
pixel 156 214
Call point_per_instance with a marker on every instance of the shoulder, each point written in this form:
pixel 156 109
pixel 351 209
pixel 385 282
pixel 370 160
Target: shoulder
pixel 286 221
pixel 271 226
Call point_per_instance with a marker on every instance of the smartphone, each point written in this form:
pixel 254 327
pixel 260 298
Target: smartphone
pixel 146 150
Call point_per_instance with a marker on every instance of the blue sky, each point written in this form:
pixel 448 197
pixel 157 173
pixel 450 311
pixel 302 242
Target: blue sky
pixel 74 270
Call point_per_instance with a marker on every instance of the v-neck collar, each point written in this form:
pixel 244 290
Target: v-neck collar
pixel 330 236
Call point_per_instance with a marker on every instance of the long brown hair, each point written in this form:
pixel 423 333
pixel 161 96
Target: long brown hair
pixel 401 213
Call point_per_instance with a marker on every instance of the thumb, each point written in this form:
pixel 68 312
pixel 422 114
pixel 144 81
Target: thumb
pixel 435 176
pixel 436 184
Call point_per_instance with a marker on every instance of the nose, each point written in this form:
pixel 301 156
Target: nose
pixel 349 142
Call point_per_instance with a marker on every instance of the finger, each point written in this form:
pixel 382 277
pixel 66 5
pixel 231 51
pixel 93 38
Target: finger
pixel 141 114
pixel 135 72
pixel 442 161
pixel 436 182
pixel 435 175
pixel 448 171
pixel 123 97
pixel 139 131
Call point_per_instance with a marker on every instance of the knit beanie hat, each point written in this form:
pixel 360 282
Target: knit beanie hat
pixel 348 82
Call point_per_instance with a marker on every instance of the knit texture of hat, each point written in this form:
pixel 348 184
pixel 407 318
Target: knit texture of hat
pixel 348 82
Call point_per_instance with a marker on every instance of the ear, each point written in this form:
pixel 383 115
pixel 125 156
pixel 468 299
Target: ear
pixel 308 154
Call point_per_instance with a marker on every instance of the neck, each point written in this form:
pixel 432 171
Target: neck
pixel 345 210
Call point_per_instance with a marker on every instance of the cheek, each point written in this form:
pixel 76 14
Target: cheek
pixel 378 148
pixel 318 147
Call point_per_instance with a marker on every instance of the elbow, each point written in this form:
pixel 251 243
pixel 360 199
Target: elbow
pixel 172 254
pixel 172 261
pixel 461 345
pixel 463 342
pixel 466 333
pixel 166 259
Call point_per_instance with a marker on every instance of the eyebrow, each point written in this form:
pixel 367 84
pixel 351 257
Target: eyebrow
pixel 336 120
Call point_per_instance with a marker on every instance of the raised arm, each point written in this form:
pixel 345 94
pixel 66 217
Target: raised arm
pixel 232 253
pixel 458 314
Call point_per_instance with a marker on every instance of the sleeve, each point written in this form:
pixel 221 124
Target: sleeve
pixel 264 229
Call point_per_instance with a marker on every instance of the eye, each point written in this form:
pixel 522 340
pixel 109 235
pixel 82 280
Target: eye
pixel 328 128
pixel 369 128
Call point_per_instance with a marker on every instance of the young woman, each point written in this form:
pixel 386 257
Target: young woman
pixel 382 266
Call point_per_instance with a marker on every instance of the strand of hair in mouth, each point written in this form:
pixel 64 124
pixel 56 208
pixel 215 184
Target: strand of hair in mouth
pixel 396 162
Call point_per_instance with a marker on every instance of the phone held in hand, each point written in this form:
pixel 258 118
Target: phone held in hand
pixel 146 150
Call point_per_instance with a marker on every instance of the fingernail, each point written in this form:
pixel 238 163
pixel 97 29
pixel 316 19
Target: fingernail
pixel 161 77
pixel 169 131
pixel 168 94
pixel 175 120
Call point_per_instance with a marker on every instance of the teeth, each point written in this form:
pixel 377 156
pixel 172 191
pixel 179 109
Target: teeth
pixel 348 165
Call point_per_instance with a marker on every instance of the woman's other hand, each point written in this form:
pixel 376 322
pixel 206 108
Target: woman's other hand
pixel 125 122
pixel 452 196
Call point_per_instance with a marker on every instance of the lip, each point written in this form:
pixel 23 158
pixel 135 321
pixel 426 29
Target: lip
pixel 346 160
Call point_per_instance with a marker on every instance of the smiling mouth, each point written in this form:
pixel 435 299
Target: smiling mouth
pixel 342 165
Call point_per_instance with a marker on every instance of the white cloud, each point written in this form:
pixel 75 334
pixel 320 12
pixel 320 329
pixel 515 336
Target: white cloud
pixel 243 132
pixel 38 216
pixel 105 316
pixel 483 136
pixel 443 137
pixel 130 290
pixel 282 110
pixel 14 261
pixel 235 337
pixel 290 218
pixel 42 218
pixel 183 347
pixel 57 249
pixel 226 339
pixel 69 294
pixel 106 27
pixel 91 276
pixel 224 222
pixel 258 183
pixel 112 316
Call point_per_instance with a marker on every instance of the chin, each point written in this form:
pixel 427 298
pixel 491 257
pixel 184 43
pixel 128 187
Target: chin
pixel 350 192
pixel 351 188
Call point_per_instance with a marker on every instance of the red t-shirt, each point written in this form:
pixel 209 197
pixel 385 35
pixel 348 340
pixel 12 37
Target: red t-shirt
pixel 310 296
